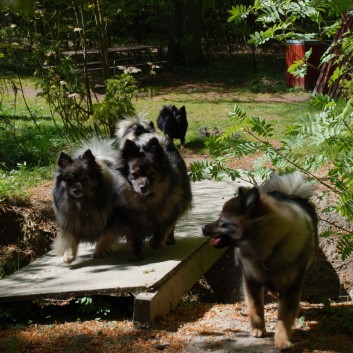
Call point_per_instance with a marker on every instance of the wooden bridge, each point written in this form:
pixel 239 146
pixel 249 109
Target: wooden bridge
pixel 157 283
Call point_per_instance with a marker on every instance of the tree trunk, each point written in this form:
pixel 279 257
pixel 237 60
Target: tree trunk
pixel 102 37
pixel 186 33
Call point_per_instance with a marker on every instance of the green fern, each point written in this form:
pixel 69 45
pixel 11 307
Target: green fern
pixel 239 13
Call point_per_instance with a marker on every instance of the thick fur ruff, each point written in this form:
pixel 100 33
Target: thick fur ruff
pixel 84 200
pixel 173 122
pixel 274 232
pixel 155 191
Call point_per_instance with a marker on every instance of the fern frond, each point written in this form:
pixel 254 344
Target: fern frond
pixel 239 13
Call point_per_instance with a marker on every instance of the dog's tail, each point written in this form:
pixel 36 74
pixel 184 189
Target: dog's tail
pixel 102 150
pixel 290 184
pixel 128 122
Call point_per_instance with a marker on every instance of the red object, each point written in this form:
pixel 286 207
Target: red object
pixel 294 52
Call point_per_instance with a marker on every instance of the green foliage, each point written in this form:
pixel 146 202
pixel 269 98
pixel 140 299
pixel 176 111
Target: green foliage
pixel 16 183
pixel 303 20
pixel 337 317
pixel 215 169
pixel 327 135
pixel 238 13
pixel 6 316
pixel 12 345
pixel 89 305
pixel 117 103
pixel 257 125
pixel 68 96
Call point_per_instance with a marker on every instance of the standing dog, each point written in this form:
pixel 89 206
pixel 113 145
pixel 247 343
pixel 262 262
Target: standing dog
pixel 155 190
pixel 173 122
pixel 84 198
pixel 274 231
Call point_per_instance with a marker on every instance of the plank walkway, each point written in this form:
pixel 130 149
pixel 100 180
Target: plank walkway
pixel 157 283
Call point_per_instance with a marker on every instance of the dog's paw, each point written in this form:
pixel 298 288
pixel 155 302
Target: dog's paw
pixel 170 241
pixel 282 337
pixel 282 344
pixel 136 257
pixel 98 253
pixel 68 258
pixel 155 243
pixel 258 332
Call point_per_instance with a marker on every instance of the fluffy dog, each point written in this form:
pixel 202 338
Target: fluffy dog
pixel 173 122
pixel 155 190
pixel 274 231
pixel 84 198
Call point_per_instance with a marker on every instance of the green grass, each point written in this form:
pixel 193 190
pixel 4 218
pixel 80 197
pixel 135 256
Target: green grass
pixel 30 142
pixel 20 93
pixel 211 108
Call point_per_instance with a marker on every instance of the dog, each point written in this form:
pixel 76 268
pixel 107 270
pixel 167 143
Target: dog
pixel 84 200
pixel 274 231
pixel 173 122
pixel 155 190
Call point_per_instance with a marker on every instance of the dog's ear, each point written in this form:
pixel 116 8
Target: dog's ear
pixel 174 108
pixel 154 146
pixel 64 160
pixel 249 199
pixel 130 149
pixel 183 109
pixel 88 156
pixel 139 130
pixel 151 125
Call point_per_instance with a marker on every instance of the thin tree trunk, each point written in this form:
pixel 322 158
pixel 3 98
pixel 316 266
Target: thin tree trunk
pixel 102 37
pixel 186 33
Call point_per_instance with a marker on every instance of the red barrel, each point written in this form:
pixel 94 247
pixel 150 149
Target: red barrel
pixel 294 52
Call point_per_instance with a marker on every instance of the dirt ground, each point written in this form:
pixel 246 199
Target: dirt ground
pixel 192 328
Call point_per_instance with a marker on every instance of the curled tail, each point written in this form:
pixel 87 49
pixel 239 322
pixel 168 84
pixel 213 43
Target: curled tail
pixel 101 149
pixel 137 123
pixel 290 184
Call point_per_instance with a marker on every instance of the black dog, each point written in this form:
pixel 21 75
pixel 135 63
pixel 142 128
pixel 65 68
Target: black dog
pixel 173 122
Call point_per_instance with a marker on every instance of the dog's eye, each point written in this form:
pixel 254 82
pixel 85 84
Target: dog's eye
pixel 226 224
pixel 152 174
pixel 84 179
pixel 134 175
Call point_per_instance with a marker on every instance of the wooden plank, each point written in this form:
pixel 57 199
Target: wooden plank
pixel 162 299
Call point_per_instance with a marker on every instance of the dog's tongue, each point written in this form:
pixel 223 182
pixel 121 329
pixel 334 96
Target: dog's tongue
pixel 214 241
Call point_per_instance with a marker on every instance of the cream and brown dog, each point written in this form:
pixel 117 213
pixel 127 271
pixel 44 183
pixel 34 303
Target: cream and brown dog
pixel 274 231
